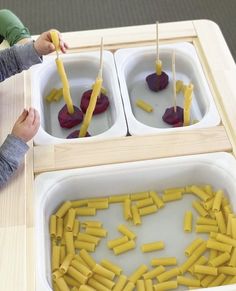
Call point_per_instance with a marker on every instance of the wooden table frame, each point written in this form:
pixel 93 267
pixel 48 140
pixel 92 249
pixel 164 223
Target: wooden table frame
pixel 17 260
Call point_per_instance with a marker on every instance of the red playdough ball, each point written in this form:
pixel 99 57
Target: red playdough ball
pixel 174 118
pixel 101 105
pixel 68 120
pixel 157 82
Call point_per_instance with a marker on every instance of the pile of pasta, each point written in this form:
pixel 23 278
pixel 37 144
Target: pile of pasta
pixel 208 263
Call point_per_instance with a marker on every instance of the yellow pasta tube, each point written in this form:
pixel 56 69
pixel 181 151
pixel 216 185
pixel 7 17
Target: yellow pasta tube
pixel 171 190
pixel 178 86
pixel 207 270
pixel 59 228
pixel 229 224
pixel 233 225
pixel 144 105
pixel 144 202
pixel 51 95
pixel 135 215
pixel 217 200
pixel 205 220
pixel 125 231
pixel 137 274
pixel 70 248
pixel 77 275
pixel 153 273
pixel 71 219
pixel 208 190
pixel 81 268
pixel 55 257
pixel 158 65
pixel 88 246
pixel 208 204
pixel 86 288
pixel 198 207
pixel 63 209
pixel 232 261
pixel 148 210
pixel 111 266
pixel 88 238
pixel 86 211
pixel 148 285
pixel 79 203
pixel 127 209
pixel 87 258
pixel 222 247
pixel 157 199
pixel 227 270
pixel 226 239
pixel 140 285
pixel 166 286
pixel 199 192
pixel 124 247
pixel 65 85
pixel 168 261
pixel 91 223
pixel 207 280
pixel 172 196
pixel 104 281
pixel 62 285
pixel 58 95
pixel 57 274
pixel 118 198
pixel 96 285
pixel 220 221
pixel 53 226
pixel 62 253
pixel 193 246
pixel 120 283
pixel 139 196
pixel 187 103
pixel 206 228
pixel 213 254
pixel 201 261
pixel 217 281
pixel 118 241
pixel 154 246
pixel 66 263
pixel 220 260
pixel 188 217
pixel 129 287
pixel 168 275
pixel 98 269
pixel 76 228
pixel 100 232
pixel 188 281
pixel 92 103
pixel 99 204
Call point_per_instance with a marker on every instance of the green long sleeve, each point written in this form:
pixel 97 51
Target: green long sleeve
pixel 11 27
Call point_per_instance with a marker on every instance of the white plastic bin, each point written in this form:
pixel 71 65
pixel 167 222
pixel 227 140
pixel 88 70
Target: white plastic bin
pixel 53 188
pixel 135 64
pixel 81 70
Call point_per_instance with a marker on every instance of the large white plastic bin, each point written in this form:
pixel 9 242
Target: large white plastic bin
pixel 135 64
pixel 53 188
pixel 81 70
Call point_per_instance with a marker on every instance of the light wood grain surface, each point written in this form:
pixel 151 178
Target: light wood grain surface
pixel 17 261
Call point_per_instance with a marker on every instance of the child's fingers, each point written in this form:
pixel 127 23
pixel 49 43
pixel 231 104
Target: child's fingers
pixel 22 117
pixel 30 117
pixel 36 121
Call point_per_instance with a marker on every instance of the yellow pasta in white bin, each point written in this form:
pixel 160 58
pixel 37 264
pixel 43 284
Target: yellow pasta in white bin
pixel 137 273
pixel 81 268
pixel 172 196
pixel 220 221
pixel 166 286
pixel 144 202
pixel 207 270
pixel 62 253
pixel 55 257
pixel 104 281
pixel 188 217
pixel 171 190
pixel 98 269
pixel 157 199
pixel 154 246
pixel 66 263
pixel 232 261
pixel 79 203
pixel 217 200
pixel 206 228
pixel 233 225
pixel 124 247
pixel 222 247
pixel 199 208
pixel 59 232
pixel 118 198
pixel 100 232
pixel 72 282
pixel 77 275
pixel 154 272
pixel 140 285
pixel 99 204
pixel 71 219
pixel 193 246
pixel 139 196
pixel 87 258
pixel 208 204
pixel 88 238
pixel 205 220
pixel 217 281
pixel 127 209
pixel 144 105
pixel 213 254
pixel 229 224
pixel 62 285
pixel 199 192
pixel 227 270
pixel 148 210
pixel 188 281
pixel 168 275
pixel 76 227
pixel 120 283
pixel 207 280
pixel 129 287
pixel 70 248
pixel 168 261
pixel 111 266
pixel 88 246
pixel 91 223
pixel 148 285
pixel 96 285
pixel 220 260
pixel 63 209
pixel 124 230
pixel 117 241
pixel 135 215
pixel 201 261
pixel 86 288
pixel 53 226
pixel 86 211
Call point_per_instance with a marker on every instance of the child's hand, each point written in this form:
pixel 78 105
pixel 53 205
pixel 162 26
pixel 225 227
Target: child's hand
pixel 26 125
pixel 44 46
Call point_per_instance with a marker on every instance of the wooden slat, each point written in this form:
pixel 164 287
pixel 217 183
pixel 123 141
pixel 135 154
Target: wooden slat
pixel 128 149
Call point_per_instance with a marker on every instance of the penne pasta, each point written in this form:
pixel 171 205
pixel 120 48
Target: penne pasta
pixel 144 202
pixel 111 266
pixel 88 238
pixel 120 283
pixel 71 219
pixel 193 246
pixel 127 209
pixel 139 196
pixel 87 258
pixel 153 273
pixel 75 229
pixel 205 220
pixel 220 221
pixel 99 204
pixel 91 223
pixel 63 209
pixel 70 248
pixel 59 231
pixel 135 215
pixel 188 217
pixel 86 211
pixel 200 193
pixel 172 196
pixel 104 281
pixel 219 246
pixel 207 270
pixel 81 268
pixel 62 285
pixel 137 274
pixel 188 281
pixel 96 285
pixel 217 201
pixel 220 260
pixel 154 246
pixel 168 261
pixel 98 269
pixel 124 230
pixel 140 286
pixel 129 287
pixel 55 257
pixel 75 274
pixel 53 226
pixel 100 232
pixel 168 275
pixel 144 105
pixel 147 210
pixel 206 228
pixel 116 242
pixel 118 198
pixel 124 247
pixel 166 286
pixel 88 246
pixel 156 199
pixel 148 285
pixel 199 208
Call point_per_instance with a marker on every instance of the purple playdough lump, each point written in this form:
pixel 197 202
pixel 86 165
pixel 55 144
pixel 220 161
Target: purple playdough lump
pixel 75 134
pixel 101 105
pixel 174 118
pixel 68 120
pixel 157 82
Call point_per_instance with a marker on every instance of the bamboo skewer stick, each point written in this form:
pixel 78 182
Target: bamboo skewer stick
pixel 174 81
pixel 158 61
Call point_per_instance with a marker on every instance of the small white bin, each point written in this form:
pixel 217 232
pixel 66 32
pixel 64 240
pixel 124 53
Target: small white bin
pixel 52 189
pixel 81 70
pixel 135 64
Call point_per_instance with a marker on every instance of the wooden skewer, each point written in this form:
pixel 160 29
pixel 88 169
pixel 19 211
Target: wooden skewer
pixel 101 60
pixel 174 81
pixel 157 42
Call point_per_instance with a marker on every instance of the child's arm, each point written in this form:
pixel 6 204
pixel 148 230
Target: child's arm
pixel 14 147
